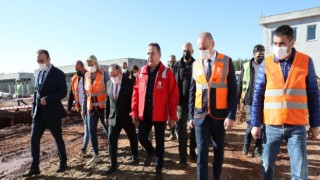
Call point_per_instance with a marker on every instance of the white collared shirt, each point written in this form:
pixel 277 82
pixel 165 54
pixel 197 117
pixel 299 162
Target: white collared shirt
pixel 205 62
pixel 80 90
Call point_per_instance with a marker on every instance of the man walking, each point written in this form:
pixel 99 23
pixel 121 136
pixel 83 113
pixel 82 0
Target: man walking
pixel 47 110
pixel 155 99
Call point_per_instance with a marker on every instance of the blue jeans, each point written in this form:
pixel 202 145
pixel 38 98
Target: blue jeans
pixel 86 134
pixel 295 137
pixel 93 123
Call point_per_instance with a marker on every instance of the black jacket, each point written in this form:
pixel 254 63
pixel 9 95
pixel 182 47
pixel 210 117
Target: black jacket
pixel 181 73
pixel 121 107
pixel 248 97
pixel 54 89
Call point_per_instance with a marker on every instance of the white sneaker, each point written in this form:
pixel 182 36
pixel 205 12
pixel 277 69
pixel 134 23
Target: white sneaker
pixel 94 160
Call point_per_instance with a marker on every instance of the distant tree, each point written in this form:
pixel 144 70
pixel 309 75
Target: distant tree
pixel 239 63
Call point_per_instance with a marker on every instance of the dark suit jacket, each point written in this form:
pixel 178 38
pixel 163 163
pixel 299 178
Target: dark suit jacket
pixel 53 89
pixel 121 107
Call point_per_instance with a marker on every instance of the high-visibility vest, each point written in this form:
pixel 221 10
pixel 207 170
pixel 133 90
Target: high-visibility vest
pixel 19 90
pixel 75 91
pixel 286 102
pixel 96 92
pixel 245 79
pixel 205 104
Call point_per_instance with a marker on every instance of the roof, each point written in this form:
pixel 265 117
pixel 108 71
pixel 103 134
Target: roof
pixel 301 14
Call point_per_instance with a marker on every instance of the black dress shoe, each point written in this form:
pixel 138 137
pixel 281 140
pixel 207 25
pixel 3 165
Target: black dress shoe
pixel 62 167
pixel 31 173
pixel 111 170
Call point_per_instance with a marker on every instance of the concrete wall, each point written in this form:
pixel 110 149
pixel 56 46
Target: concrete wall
pixel 311 48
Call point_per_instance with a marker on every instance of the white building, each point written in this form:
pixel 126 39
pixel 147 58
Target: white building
pixel 306 25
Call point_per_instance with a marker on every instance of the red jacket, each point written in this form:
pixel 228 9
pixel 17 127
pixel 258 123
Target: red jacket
pixel 165 95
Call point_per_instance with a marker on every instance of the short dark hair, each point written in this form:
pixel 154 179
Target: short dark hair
pixel 284 30
pixel 258 48
pixel 172 56
pixel 80 63
pixel 43 51
pixel 125 63
pixel 156 45
pixel 135 67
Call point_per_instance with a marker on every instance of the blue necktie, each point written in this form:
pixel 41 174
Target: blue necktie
pixel 208 73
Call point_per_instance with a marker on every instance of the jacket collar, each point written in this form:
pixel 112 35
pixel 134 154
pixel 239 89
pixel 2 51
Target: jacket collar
pixel 181 62
pixel 144 69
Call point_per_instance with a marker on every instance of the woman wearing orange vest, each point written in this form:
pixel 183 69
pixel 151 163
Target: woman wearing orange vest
pixel 286 88
pixel 94 103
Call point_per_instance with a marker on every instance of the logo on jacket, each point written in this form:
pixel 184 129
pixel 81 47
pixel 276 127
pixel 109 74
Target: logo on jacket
pixel 159 86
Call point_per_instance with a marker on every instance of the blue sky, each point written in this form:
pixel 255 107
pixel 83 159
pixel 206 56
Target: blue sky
pixel 75 29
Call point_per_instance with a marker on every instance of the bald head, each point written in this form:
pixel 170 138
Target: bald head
pixel 206 42
pixel 187 51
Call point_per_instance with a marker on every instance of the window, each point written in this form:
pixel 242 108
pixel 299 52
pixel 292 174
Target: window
pixel 311 32
pixel 272 34
pixel 294 33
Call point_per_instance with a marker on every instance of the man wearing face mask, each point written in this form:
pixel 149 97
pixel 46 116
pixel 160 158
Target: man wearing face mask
pixel 183 75
pixel 76 95
pixel 285 91
pixel 125 71
pixel 47 110
pixel 248 77
pixel 95 81
pixel 212 103
pixel 118 108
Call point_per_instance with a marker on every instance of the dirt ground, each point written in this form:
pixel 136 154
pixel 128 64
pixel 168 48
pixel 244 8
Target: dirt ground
pixel 15 157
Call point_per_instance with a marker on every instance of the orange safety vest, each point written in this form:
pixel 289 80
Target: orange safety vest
pixel 75 91
pixel 286 102
pixel 96 92
pixel 215 106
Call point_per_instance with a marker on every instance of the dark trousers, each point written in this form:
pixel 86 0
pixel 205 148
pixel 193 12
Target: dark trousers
pixel 159 128
pixel 182 133
pixel 114 132
pixel 248 138
pixel 204 131
pixel 22 101
pixel 193 144
pixel 39 125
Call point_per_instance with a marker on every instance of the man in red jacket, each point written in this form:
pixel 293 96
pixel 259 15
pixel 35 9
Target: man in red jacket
pixel 155 98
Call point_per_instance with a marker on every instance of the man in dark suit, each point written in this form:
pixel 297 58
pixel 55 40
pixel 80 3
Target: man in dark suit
pixel 47 110
pixel 118 107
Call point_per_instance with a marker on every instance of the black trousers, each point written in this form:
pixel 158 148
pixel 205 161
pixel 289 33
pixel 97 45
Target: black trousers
pixel 39 125
pixel 113 136
pixel 159 128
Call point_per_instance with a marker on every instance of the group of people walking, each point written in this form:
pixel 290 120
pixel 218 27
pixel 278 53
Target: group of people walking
pixel 200 94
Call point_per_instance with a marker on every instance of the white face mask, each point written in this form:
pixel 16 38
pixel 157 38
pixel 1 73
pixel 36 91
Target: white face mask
pixel 205 54
pixel 115 80
pixel 135 74
pixel 43 67
pixel 280 52
pixel 124 70
pixel 92 69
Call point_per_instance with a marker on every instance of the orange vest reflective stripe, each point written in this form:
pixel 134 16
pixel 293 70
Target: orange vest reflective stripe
pixel 217 81
pixel 75 91
pixel 95 91
pixel 286 102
